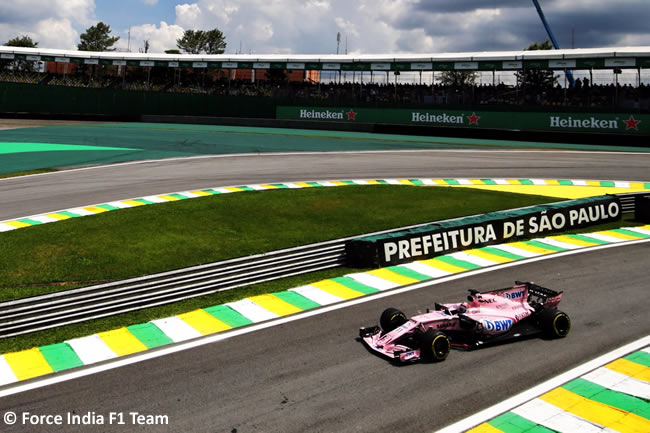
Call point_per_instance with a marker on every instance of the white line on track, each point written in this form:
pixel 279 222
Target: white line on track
pixel 166 350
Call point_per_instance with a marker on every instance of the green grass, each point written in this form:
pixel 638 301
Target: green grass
pixel 144 240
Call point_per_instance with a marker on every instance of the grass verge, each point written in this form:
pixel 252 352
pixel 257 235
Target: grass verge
pixel 149 239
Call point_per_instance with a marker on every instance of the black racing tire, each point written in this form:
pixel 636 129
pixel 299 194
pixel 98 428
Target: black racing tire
pixel 554 323
pixel 391 318
pixel 434 345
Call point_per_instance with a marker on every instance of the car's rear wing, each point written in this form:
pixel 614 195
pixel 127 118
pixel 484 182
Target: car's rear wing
pixel 539 291
pixel 528 291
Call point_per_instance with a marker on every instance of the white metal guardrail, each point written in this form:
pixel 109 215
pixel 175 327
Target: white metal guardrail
pixel 27 315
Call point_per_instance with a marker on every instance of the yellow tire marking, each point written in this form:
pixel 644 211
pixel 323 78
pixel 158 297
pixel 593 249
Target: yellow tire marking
pixel 275 305
pixel 618 235
pixel 595 412
pixel 133 202
pixel 336 289
pixel 440 265
pixel 394 277
pixel 17 224
pixel 573 241
pixel 28 363
pixel 121 341
pixel 168 197
pixel 488 256
pixel 58 216
pixel 484 428
pixel 202 193
pixel 631 369
pixel 203 322
pixel 531 248
pixel 95 209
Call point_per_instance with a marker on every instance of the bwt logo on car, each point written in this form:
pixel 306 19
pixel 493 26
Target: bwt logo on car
pixel 515 295
pixel 496 325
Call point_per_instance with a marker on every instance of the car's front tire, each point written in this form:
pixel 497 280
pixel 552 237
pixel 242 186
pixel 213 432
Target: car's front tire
pixel 434 346
pixel 554 323
pixel 391 318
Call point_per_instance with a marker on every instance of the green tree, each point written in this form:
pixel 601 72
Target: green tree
pixel 537 78
pixel 458 78
pixel 201 41
pixel 277 76
pixel 97 38
pixel 20 65
pixel 22 41
pixel 172 51
pixel 215 42
pixel 192 41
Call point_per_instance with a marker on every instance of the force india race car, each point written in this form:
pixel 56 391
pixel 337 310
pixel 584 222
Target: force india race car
pixel 487 317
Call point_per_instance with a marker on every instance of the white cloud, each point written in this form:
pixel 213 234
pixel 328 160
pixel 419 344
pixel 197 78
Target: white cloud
pixel 348 27
pixel 188 15
pixel 31 11
pixel 52 23
pixel 369 26
pixel 161 38
pixel 56 33
pixel 48 33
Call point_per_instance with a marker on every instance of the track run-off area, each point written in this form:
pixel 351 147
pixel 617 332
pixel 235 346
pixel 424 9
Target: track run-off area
pixel 307 372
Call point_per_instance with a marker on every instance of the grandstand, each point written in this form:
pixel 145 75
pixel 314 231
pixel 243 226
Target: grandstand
pixel 262 86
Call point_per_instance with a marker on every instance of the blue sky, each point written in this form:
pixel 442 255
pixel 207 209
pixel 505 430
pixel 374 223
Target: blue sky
pixel 310 26
pixel 122 14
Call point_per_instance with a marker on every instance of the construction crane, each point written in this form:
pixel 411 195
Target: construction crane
pixel 568 73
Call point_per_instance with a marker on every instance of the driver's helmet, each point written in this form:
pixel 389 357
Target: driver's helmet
pixel 462 309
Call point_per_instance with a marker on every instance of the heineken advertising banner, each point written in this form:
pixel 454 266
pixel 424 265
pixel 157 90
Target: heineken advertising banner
pixel 478 231
pixel 567 122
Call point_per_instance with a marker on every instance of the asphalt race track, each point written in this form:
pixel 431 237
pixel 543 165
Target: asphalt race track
pixel 22 196
pixel 312 375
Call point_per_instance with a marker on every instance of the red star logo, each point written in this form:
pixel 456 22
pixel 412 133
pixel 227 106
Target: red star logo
pixel 351 115
pixel 631 123
pixel 473 119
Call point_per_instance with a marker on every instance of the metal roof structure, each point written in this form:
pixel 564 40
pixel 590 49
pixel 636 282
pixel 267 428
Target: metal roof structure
pixel 583 58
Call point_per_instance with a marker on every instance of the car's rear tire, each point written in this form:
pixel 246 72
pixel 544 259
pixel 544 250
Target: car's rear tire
pixel 434 345
pixel 554 323
pixel 391 318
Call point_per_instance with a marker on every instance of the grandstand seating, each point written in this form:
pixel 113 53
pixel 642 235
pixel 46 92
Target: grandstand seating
pixel 346 93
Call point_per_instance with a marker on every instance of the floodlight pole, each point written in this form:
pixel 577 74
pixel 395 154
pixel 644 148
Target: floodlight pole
pixel 569 75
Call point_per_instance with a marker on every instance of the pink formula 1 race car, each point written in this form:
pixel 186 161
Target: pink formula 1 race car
pixel 487 317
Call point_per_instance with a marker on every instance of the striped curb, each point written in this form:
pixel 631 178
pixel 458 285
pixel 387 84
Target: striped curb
pixel 611 398
pixel 598 187
pixel 39 361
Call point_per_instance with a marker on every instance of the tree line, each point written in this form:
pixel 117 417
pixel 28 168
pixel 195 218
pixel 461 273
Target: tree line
pixel 99 38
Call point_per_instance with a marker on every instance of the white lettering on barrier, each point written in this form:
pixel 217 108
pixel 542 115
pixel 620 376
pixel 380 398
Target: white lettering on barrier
pixel 591 123
pixel 390 248
pixel 465 237
pixel 403 249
